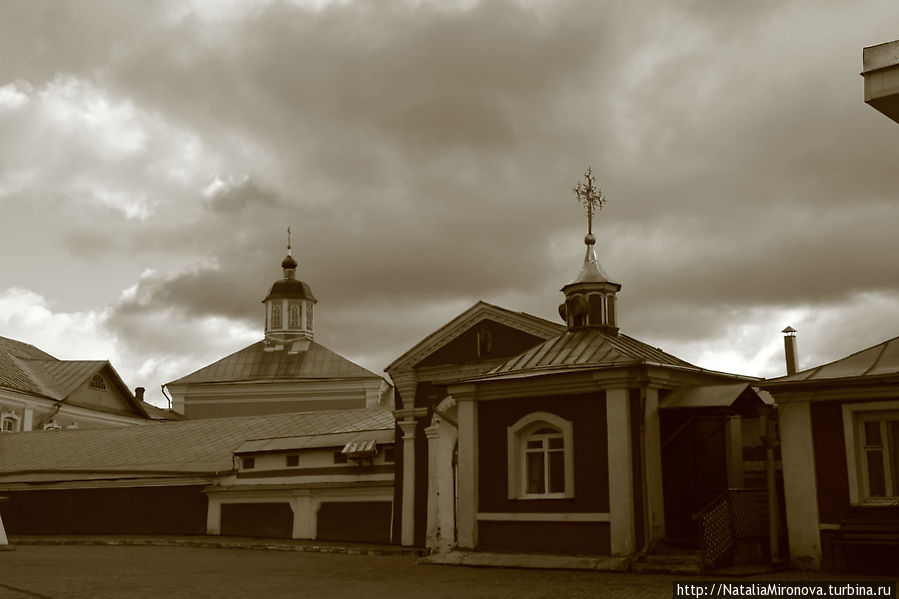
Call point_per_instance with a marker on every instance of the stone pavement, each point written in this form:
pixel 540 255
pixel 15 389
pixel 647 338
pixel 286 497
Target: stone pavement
pixel 180 571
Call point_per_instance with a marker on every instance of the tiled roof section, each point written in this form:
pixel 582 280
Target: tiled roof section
pixel 585 348
pixel 252 363
pixel 189 446
pixel 879 360
pixel 12 373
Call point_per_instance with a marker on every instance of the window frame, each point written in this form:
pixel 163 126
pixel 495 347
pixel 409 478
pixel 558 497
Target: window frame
pixel 855 415
pixel 97 383
pixel 10 417
pixel 517 437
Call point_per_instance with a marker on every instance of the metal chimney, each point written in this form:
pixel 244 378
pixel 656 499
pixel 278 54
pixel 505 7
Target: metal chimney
pixel 790 350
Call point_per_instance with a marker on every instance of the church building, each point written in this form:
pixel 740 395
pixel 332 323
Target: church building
pixel 285 372
pixel 559 447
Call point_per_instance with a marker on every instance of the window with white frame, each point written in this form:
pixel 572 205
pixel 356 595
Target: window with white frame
pixel 540 457
pixel 872 450
pixel 9 422
pixel 294 321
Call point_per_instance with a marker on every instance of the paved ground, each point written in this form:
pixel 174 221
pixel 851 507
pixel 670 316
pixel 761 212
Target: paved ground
pixel 73 571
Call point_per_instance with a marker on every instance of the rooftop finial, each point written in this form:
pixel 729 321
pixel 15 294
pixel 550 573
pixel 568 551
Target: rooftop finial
pixel 588 194
pixel 288 240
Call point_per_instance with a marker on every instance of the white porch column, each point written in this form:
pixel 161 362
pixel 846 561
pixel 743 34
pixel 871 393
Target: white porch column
pixel 213 516
pixel 28 420
pixel 800 483
pixel 303 517
pixel 408 520
pixel 467 507
pixel 621 480
pixel 432 534
pixel 653 448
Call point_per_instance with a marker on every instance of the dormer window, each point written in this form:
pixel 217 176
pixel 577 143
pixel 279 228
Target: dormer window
pixel 294 322
pixel 276 316
pixel 97 383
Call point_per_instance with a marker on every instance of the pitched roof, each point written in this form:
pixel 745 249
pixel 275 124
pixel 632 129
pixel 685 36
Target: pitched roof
pixel 879 360
pixel 585 348
pixel 12 373
pixel 481 310
pixel 186 447
pixel 27 369
pixel 253 363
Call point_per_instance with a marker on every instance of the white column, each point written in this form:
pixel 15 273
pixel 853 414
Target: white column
pixel 800 484
pixel 303 518
pixel 467 508
pixel 733 437
pixel 621 482
pixel 213 516
pixel 653 449
pixel 3 539
pixel 432 535
pixel 28 420
pixel 408 518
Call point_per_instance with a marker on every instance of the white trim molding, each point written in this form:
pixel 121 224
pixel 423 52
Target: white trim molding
pixel 544 517
pixel 517 436
pixel 856 471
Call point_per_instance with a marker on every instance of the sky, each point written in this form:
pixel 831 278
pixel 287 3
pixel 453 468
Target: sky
pixel 423 153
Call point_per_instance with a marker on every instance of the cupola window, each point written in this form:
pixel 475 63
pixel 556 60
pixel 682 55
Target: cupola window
pixel 276 317
pixel 294 321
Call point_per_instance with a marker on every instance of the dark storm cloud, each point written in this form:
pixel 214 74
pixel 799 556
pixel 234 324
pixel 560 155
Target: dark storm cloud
pixel 424 154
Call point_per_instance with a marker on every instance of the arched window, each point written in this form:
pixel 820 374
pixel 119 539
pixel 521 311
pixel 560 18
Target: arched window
pixel 9 422
pixel 276 316
pixel 97 383
pixel 309 316
pixel 294 322
pixel 541 457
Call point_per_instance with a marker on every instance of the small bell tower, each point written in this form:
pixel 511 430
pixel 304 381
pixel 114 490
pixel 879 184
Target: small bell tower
pixel 288 307
pixel 590 299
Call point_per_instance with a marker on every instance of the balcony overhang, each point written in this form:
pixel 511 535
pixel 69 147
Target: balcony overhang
pixel 881 73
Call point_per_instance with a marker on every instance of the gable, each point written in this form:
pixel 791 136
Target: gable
pixel 105 396
pixel 428 350
pixel 486 340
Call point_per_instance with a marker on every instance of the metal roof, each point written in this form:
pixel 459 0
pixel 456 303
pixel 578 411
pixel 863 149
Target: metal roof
pixel 711 396
pixel 879 360
pixel 253 363
pixel 185 447
pixel 381 435
pixel 27 369
pixel 585 348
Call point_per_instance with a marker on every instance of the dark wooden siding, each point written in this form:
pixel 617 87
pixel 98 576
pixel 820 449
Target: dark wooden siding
pixel 553 537
pixel 136 510
pixel 591 477
pixel 356 521
pixel 257 520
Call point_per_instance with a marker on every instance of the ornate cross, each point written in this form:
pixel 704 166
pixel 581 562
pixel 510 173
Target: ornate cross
pixel 588 194
pixel 288 238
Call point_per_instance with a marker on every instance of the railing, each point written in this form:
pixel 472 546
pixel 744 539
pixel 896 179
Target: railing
pixel 733 515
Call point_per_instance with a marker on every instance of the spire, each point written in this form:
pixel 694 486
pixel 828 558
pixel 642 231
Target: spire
pixel 590 298
pixel 289 264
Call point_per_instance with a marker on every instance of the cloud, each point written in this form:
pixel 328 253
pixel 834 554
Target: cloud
pixel 423 154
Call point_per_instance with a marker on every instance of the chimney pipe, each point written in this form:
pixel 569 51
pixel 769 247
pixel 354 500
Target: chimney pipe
pixel 790 350
pixel 139 393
